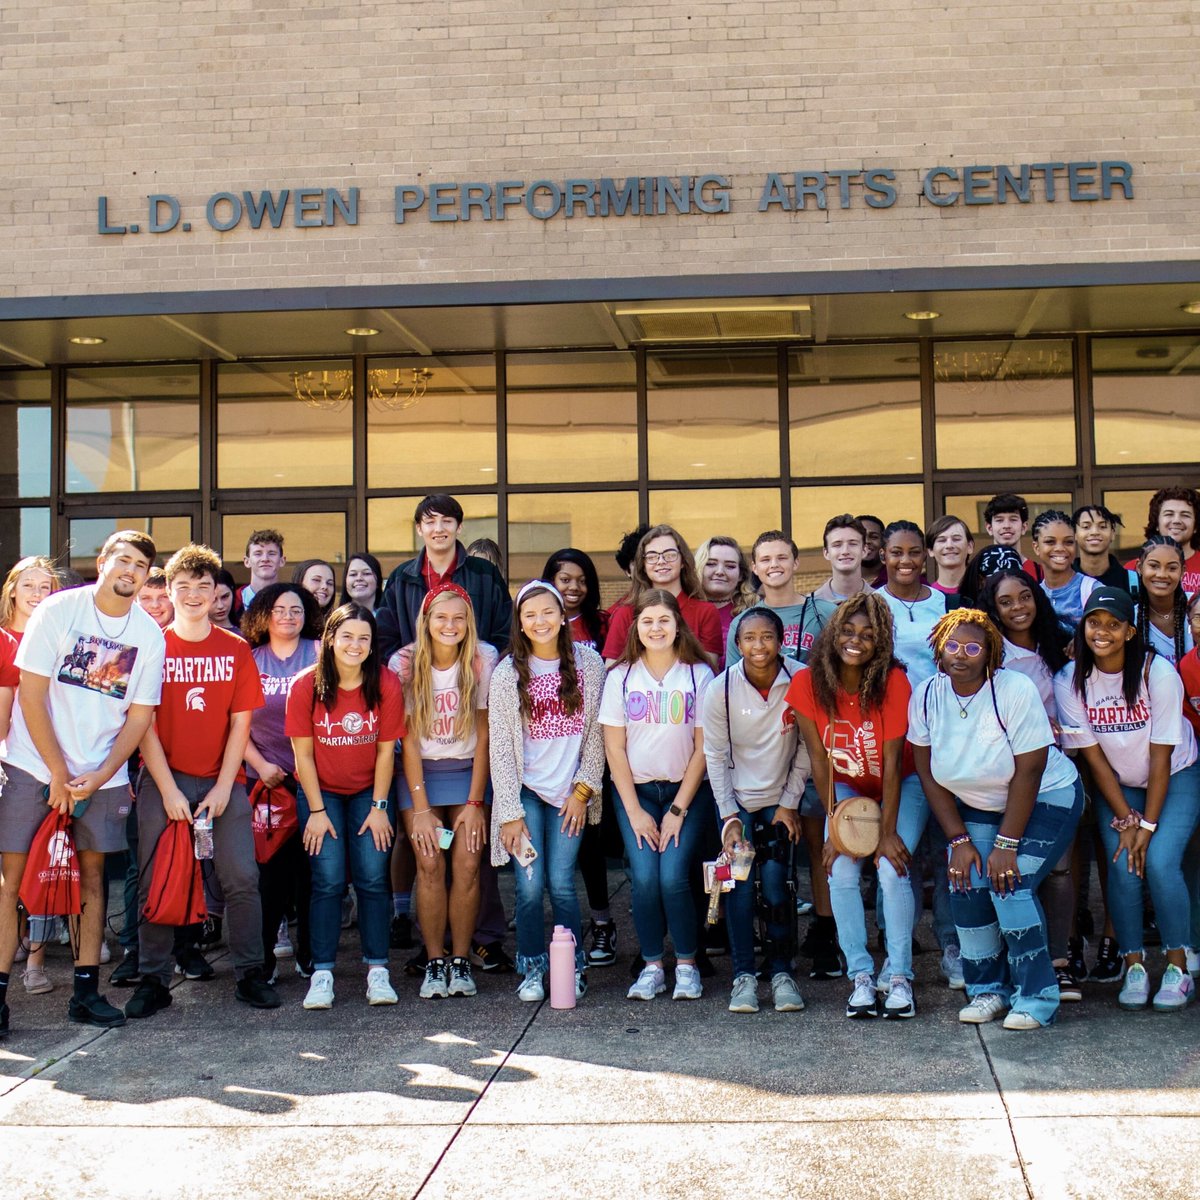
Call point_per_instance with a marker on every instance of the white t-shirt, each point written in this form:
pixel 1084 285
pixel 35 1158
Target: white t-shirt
pixel 973 756
pixel 441 742
pixel 1033 666
pixel 912 623
pixel 1164 644
pixel 97 666
pixel 553 740
pixel 660 719
pixel 1126 734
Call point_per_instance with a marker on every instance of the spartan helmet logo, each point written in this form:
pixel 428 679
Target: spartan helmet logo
pixel 194 701
pixel 60 849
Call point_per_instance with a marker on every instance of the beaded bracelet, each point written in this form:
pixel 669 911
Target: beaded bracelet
pixel 961 840
pixel 1131 821
pixel 1004 842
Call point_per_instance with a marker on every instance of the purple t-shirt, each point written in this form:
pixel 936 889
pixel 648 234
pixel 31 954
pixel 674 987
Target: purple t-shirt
pixel 266 724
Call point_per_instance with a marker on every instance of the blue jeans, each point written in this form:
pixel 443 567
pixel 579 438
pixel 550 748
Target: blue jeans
pixel 368 870
pixel 1164 866
pixel 988 922
pixel 771 870
pixel 553 870
pixel 899 906
pixel 661 881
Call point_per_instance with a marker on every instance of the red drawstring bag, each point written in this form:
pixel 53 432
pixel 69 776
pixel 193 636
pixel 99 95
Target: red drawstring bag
pixel 273 815
pixel 176 894
pixel 50 885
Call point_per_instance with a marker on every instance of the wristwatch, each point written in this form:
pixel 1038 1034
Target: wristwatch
pixel 676 811
pixel 380 804
pixel 1152 826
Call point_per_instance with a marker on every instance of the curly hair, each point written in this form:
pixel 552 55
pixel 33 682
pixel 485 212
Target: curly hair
pixel 570 694
pixel 256 620
pixel 687 647
pixel 744 595
pixel 419 700
pixel 1050 640
pixel 193 559
pixel 1179 600
pixel 1188 496
pixel 945 629
pixel 825 664
pixel 8 592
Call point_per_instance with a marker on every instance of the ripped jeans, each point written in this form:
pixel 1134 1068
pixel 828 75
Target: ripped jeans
pixel 989 924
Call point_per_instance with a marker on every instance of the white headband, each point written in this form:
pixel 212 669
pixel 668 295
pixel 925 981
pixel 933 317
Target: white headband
pixel 535 584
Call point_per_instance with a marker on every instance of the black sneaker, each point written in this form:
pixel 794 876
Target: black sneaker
pixel 151 996
pixel 1110 966
pixel 210 934
pixel 3 1020
pixel 416 965
pixel 704 965
pixel 604 944
pixel 127 973
pixel 94 1010
pixel 827 964
pixel 491 959
pixel 191 964
pixel 1076 963
pixel 402 933
pixel 254 990
pixel 1068 985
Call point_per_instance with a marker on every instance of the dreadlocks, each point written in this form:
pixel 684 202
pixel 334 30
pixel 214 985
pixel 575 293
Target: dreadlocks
pixel 825 664
pixel 946 628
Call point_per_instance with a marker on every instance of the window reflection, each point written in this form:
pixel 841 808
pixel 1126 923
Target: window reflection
pixel 25 434
pixel 1146 394
pixel 305 535
pixel 970 508
pixel 1004 404
pixel 392 537
pixel 89 534
pixel 854 410
pixel 133 429
pixel 431 422
pixel 23 531
pixel 741 513
pixel 572 418
pixel 713 415
pixel 1133 507
pixel 284 424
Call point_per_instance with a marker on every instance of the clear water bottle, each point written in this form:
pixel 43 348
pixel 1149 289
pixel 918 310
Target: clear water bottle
pixel 202 832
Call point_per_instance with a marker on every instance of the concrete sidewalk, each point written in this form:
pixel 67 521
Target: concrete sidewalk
pixel 492 1097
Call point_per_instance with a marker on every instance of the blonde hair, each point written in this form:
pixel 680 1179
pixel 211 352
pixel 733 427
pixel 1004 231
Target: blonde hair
pixel 8 592
pixel 419 708
pixel 744 595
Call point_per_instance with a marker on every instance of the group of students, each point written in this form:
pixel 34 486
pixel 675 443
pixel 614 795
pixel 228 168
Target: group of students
pixel 1041 710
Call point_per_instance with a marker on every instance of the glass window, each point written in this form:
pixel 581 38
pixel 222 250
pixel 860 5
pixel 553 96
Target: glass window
pixel 305 535
pixel 25 430
pixel 572 418
pixel 1004 404
pixel 392 537
pixel 854 410
pixel 89 534
pixel 699 514
pixel 133 429
pixel 593 522
pixel 1133 507
pixel 431 422
pixel 970 508
pixel 713 415
pixel 813 506
pixel 285 424
pixel 24 531
pixel 1146 393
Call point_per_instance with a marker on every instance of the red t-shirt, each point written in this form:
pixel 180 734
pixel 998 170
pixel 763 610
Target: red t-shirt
pixel 861 735
pixel 9 675
pixel 345 738
pixel 579 631
pixel 204 684
pixel 1189 670
pixel 699 616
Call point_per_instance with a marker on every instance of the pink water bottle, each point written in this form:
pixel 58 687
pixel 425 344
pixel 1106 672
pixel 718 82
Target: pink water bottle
pixel 562 968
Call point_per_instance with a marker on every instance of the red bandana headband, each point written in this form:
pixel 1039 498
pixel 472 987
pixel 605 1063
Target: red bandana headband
pixel 441 590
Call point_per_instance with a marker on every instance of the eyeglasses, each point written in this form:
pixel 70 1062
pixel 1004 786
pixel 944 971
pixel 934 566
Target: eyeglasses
pixel 972 649
pixel 663 556
pixel 287 612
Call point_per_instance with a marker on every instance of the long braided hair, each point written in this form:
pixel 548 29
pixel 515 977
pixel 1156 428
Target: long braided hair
pixel 825 665
pixel 1179 600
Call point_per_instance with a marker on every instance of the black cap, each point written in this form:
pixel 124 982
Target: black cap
pixel 1113 600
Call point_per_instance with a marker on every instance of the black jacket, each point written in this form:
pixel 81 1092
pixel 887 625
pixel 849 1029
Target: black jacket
pixel 396 616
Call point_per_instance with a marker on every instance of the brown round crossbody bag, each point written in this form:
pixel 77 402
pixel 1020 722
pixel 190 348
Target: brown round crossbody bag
pixel 854 823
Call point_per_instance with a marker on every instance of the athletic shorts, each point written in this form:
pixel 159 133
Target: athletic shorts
pixel 23 808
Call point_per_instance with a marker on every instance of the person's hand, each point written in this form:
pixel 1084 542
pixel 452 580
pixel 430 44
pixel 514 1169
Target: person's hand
pixel 734 836
pixel 425 826
pixel 176 806
pixel 511 834
pixel 1137 856
pixel 380 828
pixel 964 859
pixel 892 847
pixel 471 826
pixel 1127 840
pixel 316 829
pixel 789 818
pixel 669 831
pixel 645 829
pixel 83 786
pixel 574 817
pixel 59 797
pixel 215 802
pixel 1003 872
pixel 272 774
pixel 829 856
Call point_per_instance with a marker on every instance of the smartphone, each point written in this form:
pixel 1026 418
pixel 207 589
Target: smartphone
pixel 526 854
pixel 80 805
pixel 445 837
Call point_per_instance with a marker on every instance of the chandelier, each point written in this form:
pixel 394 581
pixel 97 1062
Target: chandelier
pixel 1023 369
pixel 392 390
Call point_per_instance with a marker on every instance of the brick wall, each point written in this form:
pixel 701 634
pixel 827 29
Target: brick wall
pixel 190 98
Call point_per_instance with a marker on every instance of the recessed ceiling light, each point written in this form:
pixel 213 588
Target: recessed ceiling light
pixel 361 331
pixel 1192 306
pixel 698 464
pixel 922 314
pixel 87 341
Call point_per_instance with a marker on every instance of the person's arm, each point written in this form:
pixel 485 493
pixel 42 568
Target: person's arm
pixel 692 777
pixel 716 749
pixel 964 858
pixel 378 823
pixel 1002 867
pixel 270 773
pixel 6 702
pixel 154 759
pixel 318 825
pixel 216 799
pixel 470 822
pixel 33 697
pixel 425 822
pixel 645 828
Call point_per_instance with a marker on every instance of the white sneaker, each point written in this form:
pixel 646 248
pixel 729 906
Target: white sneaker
pixel 1135 993
pixel 1021 1020
pixel 900 1002
pixel 650 983
pixel 533 988
pixel 952 969
pixel 785 995
pixel 982 1009
pixel 863 1001
pixel 436 984
pixel 687 982
pixel 1176 991
pixel 1193 962
pixel 379 987
pixel 105 952
pixel 743 998
pixel 320 990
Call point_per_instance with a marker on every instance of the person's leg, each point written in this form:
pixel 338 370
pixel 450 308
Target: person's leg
pixel 274 893
pixel 328 867
pixel 562 854
pixel 155 942
pixel 1057 897
pixel 532 954
pixel 739 915
pixel 430 892
pixel 678 866
pixel 128 937
pixel 464 899
pixel 984 967
pixel 1124 887
pixel 1191 875
pixel 369 873
pixel 774 861
pixel 1164 863
pixel 849 914
pixel 645 883
pixel 237 874
pixel 593 866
